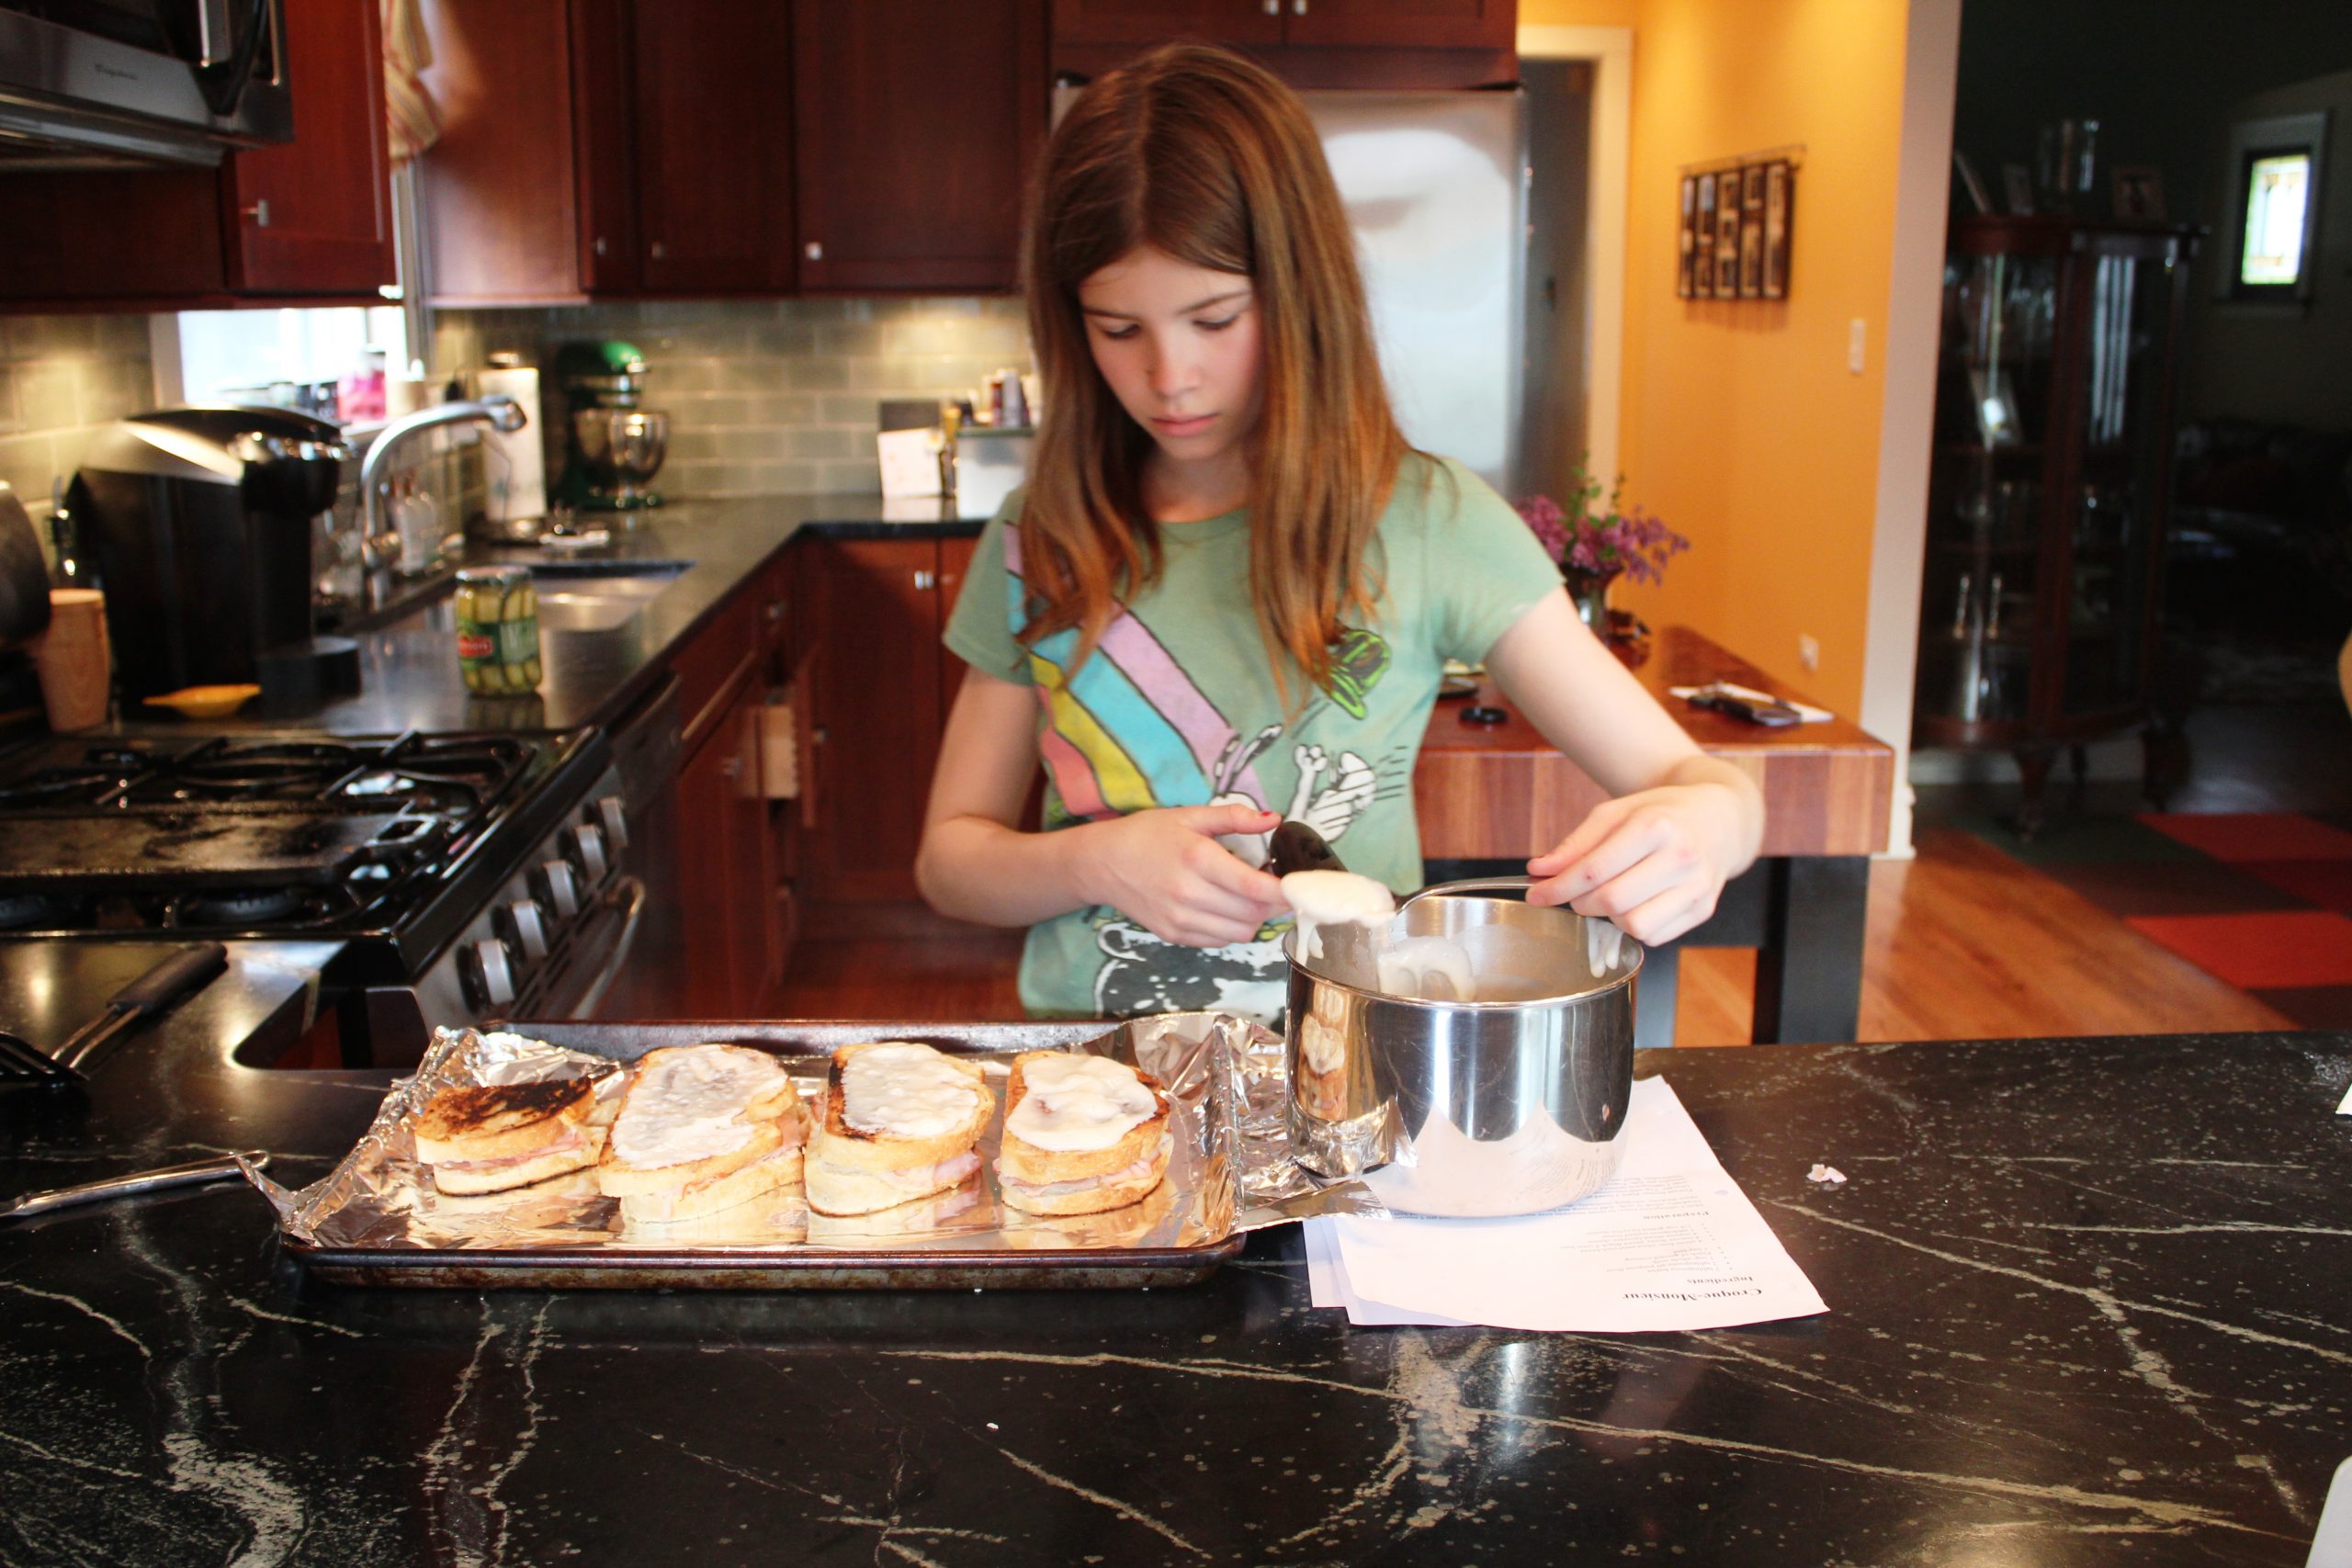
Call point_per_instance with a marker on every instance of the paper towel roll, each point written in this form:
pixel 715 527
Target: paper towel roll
pixel 514 469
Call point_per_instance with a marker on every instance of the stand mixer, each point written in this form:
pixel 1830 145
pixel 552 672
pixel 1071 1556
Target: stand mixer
pixel 616 442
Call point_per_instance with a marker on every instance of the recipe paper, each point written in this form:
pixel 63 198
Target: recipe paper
pixel 1670 1243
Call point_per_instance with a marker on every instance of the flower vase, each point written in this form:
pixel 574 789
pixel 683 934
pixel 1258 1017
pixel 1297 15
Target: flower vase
pixel 1589 590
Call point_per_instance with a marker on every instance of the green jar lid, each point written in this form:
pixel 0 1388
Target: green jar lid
pixel 610 358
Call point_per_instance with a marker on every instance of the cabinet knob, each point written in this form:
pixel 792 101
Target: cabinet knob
pixel 926 580
pixel 660 250
pixel 1272 8
pixel 1299 7
pixel 775 612
pixel 259 213
pixel 599 245
pixel 813 251
pixel 730 767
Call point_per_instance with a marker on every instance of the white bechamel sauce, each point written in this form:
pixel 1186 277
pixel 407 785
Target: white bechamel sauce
pixel 1336 898
pixel 1074 1102
pixel 689 1105
pixel 1415 965
pixel 907 1090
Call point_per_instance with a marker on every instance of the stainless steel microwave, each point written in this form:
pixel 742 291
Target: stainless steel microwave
pixel 108 82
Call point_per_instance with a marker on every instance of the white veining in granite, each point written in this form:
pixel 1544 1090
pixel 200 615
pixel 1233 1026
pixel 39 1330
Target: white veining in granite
pixel 1124 1510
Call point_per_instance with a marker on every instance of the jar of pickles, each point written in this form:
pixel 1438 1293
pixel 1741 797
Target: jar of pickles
pixel 498 630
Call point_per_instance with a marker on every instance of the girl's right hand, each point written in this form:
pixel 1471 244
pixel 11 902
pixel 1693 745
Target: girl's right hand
pixel 1164 869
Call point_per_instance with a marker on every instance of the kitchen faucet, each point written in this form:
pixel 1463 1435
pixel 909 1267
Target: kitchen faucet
pixel 497 411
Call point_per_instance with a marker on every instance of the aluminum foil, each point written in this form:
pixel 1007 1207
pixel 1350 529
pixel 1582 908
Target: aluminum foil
pixel 1231 1169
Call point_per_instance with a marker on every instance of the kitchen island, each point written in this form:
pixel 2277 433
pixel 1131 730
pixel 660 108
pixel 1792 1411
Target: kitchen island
pixel 2087 1306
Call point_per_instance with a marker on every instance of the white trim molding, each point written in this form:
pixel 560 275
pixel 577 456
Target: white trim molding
pixel 1907 406
pixel 1610 53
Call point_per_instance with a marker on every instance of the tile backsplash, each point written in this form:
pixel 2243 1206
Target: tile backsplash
pixel 764 397
pixel 62 379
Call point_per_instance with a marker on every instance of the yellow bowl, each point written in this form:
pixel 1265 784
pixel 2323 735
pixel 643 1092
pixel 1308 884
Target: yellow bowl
pixel 206 701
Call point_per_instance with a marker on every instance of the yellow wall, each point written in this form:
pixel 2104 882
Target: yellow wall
pixel 1742 426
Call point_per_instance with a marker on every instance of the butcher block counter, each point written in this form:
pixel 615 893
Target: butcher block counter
pixel 2086 1307
pixel 1485 793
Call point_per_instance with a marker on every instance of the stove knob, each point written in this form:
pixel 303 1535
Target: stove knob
pixel 492 975
pixel 587 849
pixel 527 929
pixel 615 820
pixel 555 885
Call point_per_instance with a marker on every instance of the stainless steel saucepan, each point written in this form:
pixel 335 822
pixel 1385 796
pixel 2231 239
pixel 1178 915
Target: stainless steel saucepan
pixel 1510 1104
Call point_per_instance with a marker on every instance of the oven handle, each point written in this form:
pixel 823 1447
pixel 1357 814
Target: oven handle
pixel 626 894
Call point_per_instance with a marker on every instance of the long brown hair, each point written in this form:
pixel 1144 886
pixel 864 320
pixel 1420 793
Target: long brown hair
pixel 1200 154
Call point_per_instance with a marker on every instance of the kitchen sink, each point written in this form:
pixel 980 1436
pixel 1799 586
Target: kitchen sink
pixel 600 602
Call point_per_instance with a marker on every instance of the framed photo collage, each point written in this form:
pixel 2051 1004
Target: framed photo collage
pixel 1737 225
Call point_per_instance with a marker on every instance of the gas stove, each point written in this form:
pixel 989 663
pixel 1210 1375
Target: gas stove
pixel 465 873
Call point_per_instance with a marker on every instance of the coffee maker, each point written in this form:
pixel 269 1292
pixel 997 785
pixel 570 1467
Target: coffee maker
pixel 615 442
pixel 196 523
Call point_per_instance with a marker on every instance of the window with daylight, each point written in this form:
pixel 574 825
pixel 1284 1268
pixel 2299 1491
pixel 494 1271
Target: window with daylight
pixel 2277 173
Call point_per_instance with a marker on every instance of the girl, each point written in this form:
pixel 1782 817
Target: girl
pixel 1226 594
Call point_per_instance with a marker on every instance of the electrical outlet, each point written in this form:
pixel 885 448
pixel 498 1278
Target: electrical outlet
pixel 1857 336
pixel 1808 650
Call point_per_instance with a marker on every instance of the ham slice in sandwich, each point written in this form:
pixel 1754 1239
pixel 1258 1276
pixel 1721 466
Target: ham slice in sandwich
pixel 703 1129
pixel 899 1124
pixel 1082 1134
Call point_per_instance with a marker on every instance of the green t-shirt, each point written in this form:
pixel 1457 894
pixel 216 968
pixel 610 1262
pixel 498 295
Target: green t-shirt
pixel 1179 706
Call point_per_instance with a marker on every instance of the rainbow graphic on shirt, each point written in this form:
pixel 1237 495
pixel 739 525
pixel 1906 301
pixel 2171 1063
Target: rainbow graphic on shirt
pixel 1131 729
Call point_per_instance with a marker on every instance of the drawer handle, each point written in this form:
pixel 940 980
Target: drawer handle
pixel 813 251
pixel 259 213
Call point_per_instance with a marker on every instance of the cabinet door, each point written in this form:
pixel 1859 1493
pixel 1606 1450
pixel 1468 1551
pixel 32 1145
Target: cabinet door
pixel 1154 21
pixel 314 216
pixel 870 608
pixel 713 133
pixel 955 566
pixel 1415 24
pixel 915 121
pixel 726 869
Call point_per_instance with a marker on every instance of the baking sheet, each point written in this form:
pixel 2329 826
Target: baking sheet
pixel 377 1218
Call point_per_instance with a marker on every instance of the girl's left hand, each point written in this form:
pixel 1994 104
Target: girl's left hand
pixel 1654 861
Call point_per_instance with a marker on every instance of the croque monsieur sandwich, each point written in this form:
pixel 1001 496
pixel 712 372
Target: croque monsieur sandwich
pixel 701 1129
pixel 1082 1134
pixel 496 1138
pixel 899 1123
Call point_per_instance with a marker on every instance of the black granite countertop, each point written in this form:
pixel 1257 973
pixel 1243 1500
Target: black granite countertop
pixel 2087 1306
pixel 409 676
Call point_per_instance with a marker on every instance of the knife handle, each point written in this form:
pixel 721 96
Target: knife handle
pixel 130 1186
pixel 164 984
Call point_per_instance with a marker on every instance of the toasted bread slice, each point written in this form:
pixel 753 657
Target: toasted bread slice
pixel 877 1149
pixel 1129 1225
pixel 776 1174
pixel 856 1170
pixel 695 1113
pixel 1036 1179
pixel 460 1178
pixel 576 1186
pixel 495 1121
pixel 955 1208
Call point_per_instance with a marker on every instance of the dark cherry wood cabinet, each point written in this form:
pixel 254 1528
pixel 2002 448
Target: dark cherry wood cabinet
pixel 1154 21
pixel 877 686
pixel 308 220
pixel 916 122
pixel 1418 24
pixel 712 116
pixel 314 216
pixel 1310 43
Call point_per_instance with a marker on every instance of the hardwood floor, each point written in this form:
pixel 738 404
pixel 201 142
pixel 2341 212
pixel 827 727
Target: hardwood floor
pixel 1964 943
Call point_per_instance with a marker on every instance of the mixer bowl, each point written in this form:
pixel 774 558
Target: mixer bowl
pixel 1505 1106
pixel 623 448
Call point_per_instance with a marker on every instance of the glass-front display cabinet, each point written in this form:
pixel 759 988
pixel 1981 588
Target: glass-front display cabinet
pixel 2051 486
